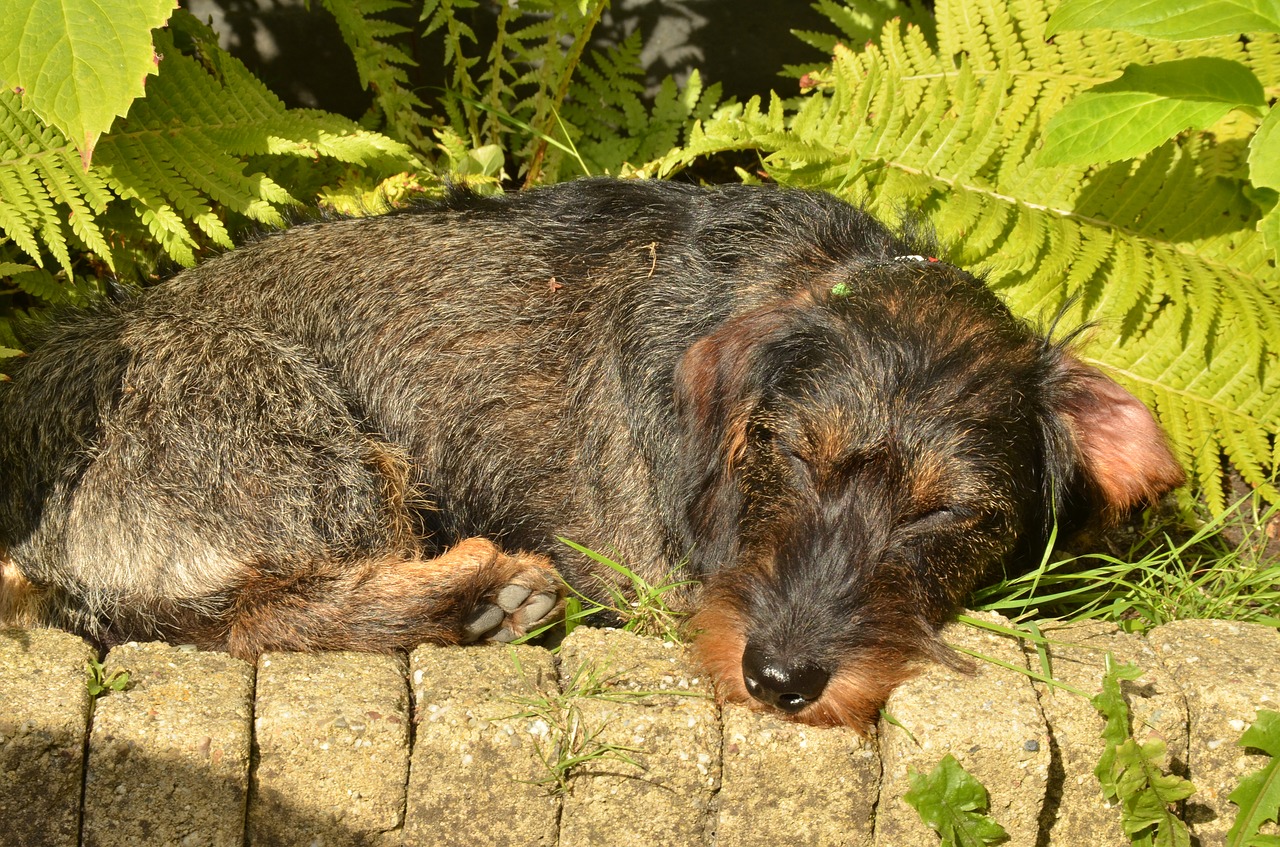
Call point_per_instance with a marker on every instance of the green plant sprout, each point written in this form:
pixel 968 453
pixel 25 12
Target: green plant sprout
pixel 1131 772
pixel 573 740
pixel 954 804
pixel 100 683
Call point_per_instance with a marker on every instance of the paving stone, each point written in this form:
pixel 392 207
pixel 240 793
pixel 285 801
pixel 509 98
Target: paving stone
pixel 169 755
pixel 1075 812
pixel 788 783
pixel 1228 672
pixel 644 695
pixel 990 721
pixel 477 764
pixel 331 750
pixel 44 718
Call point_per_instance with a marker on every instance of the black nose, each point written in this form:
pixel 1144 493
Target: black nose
pixel 789 686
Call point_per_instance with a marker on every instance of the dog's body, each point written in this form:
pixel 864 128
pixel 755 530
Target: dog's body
pixel 286 447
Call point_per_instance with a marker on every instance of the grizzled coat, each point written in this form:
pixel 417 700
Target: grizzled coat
pixel 840 436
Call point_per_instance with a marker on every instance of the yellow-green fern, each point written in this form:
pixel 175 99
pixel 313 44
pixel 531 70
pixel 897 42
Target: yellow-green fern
pixel 179 161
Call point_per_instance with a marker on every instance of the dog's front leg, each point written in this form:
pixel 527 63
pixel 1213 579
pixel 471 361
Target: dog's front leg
pixel 471 592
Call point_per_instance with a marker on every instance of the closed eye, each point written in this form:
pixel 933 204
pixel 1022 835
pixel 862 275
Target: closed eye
pixel 798 463
pixel 938 518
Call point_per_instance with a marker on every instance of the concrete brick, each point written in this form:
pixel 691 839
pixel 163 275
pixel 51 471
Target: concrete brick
pixel 169 755
pixel 1228 672
pixel 44 718
pixel 990 721
pixel 331 750
pixel 788 783
pixel 649 698
pixel 476 766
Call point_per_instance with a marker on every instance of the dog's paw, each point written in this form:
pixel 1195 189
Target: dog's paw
pixel 532 597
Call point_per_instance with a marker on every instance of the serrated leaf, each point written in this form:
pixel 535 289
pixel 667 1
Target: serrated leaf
pixel 1130 772
pixel 80 63
pixel 952 802
pixel 1146 106
pixel 1258 795
pixel 1269 227
pixel 1169 19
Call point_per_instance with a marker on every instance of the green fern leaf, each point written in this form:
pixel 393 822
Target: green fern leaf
pixel 1165 260
pixel 381 65
pixel 178 160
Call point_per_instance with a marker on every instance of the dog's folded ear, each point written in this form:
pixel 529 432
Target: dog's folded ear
pixel 718 382
pixel 1119 449
pixel 721 377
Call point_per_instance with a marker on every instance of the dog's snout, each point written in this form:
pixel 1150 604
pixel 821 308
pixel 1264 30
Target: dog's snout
pixel 783 684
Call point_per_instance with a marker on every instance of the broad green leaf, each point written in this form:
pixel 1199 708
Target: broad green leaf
pixel 79 63
pixel 1264 153
pixel 1258 794
pixel 1175 20
pixel 953 803
pixel 1269 226
pixel 1264 172
pixel 1146 106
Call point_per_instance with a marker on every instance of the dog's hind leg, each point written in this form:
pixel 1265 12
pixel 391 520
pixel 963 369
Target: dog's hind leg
pixel 471 592
pixel 217 485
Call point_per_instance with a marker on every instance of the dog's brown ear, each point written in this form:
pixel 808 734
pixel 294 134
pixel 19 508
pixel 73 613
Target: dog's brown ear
pixel 718 376
pixel 1122 449
pixel 718 382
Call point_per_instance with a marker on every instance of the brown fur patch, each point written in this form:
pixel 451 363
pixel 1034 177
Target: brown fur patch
pixel 376 606
pixel 1123 448
pixel 21 603
pixel 855 694
pixel 720 637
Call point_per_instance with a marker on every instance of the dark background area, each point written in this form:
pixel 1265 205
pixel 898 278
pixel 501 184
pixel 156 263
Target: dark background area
pixel 741 44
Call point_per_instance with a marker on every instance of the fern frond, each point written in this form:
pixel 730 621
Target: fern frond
pixel 608 119
pixel 178 160
pixel 1160 254
pixel 381 64
pixel 40 174
pixel 182 148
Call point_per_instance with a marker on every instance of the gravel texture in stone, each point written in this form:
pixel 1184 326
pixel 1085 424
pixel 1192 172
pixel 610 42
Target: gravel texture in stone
pixel 1228 671
pixel 331 749
pixel 169 755
pixel 44 716
pixel 646 696
pixel 477 775
pixel 789 783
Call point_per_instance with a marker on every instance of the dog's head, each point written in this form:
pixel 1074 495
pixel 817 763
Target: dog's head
pixel 861 455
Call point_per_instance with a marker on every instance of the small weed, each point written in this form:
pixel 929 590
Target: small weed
pixel 1258 795
pixel 644 609
pixel 572 740
pixel 100 684
pixel 953 804
pixel 1132 774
